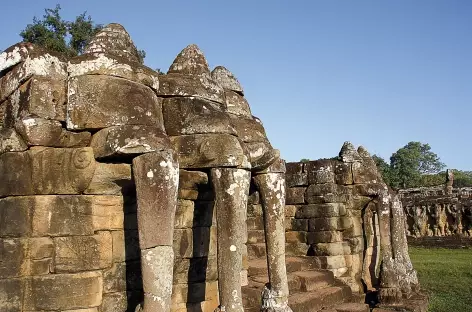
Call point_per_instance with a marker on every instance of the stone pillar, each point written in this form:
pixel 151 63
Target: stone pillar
pixel 157 178
pixel 231 188
pixel 389 291
pixel 272 189
pixel 409 279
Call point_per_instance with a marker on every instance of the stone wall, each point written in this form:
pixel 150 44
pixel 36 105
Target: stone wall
pixel 326 209
pixel 195 264
pixel 340 213
pixel 438 211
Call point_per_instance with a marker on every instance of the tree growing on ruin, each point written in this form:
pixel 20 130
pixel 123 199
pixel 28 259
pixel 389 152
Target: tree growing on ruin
pixel 69 37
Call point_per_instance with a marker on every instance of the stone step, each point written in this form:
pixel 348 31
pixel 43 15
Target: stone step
pixel 299 302
pixel 255 223
pixel 251 295
pixel 255 236
pixel 306 281
pixel 293 264
pixel 258 236
pixel 315 301
pixel 258 250
pixel 346 291
pixel 294 283
pixel 351 307
pixel 314 280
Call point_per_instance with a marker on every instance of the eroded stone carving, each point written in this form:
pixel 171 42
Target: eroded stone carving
pixel 135 188
pixel 438 211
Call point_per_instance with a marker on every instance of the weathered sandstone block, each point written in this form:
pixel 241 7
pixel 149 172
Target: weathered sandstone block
pixel 111 179
pixel 11 294
pixel 295 195
pixel 326 189
pixel 190 180
pixel 296 179
pixel 114 302
pixel 321 211
pixel 128 140
pixel 23 63
pixel 113 65
pixel 97 101
pixel 226 79
pixel 187 115
pixel 45 132
pixel 236 104
pixel 190 214
pixel 324 237
pixel 320 171
pixel 331 249
pixel 249 129
pixel 194 292
pixel 40 96
pixel 325 224
pixel 365 173
pixel 11 141
pixel 44 215
pixel 343 173
pixel 196 242
pixel 63 292
pixel 47 171
pixel 207 151
pixel 195 270
pixel 83 253
pixel 201 87
pixel 113 39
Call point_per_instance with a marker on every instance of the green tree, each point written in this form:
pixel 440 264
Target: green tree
pixel 462 178
pixel 56 34
pixel 384 169
pixel 304 160
pixel 433 179
pixel 411 162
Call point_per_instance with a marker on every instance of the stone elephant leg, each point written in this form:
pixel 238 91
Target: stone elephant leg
pixel 157 179
pixel 231 186
pixel 272 189
pixel 389 285
pixel 408 279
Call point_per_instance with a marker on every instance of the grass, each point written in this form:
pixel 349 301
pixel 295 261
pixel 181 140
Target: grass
pixel 446 274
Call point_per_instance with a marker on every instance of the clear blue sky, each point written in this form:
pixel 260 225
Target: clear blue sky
pixel 318 73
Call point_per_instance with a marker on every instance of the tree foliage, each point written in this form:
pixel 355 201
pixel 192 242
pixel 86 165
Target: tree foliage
pixel 462 178
pixel 413 161
pixel 68 37
pixel 56 34
pixel 413 165
pixel 384 169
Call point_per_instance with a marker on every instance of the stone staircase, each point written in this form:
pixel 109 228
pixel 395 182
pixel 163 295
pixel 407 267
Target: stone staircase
pixel 310 289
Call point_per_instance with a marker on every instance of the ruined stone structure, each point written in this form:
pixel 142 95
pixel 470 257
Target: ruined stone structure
pixel 123 189
pixel 438 211
pixel 341 217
